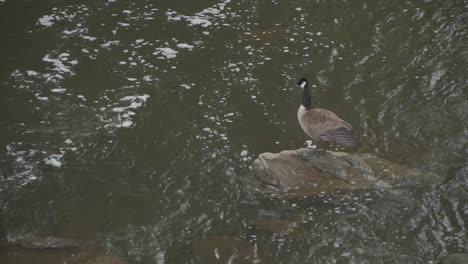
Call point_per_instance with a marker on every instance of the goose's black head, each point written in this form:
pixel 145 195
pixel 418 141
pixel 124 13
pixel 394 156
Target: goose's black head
pixel 303 82
pixel 307 95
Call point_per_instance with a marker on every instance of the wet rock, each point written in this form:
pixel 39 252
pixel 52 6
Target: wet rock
pixel 94 256
pixel 53 250
pixel 454 258
pixel 43 243
pixel 393 172
pixel 302 173
pixel 291 227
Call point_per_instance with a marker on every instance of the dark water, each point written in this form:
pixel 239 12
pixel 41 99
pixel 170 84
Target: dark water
pixel 133 124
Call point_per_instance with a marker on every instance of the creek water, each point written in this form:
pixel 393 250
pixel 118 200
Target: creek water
pixel 133 124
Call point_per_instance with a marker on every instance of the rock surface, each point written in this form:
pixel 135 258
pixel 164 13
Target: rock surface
pixel 305 172
pixel 43 243
pixel 54 250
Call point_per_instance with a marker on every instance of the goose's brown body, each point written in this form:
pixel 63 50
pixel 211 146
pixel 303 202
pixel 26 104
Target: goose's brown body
pixel 323 125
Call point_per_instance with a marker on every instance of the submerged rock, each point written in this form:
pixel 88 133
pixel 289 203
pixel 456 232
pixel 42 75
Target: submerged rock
pixel 54 250
pixel 94 256
pixel 281 226
pixel 42 243
pixel 454 258
pixel 304 172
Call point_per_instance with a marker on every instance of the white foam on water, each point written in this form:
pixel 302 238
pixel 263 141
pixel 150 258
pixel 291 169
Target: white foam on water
pixel 32 73
pixel 135 105
pixel 196 20
pixel 127 98
pixel 170 17
pixel 436 75
pixel 167 53
pixel 215 10
pixel 119 109
pixel 54 160
pixel 59 90
pixel 126 113
pixel 41 98
pixel 186 86
pixel 70 32
pixel 185 46
pixel 46 21
pixel 210 10
pixel 59 66
pixel 127 123
pixel 203 18
pixel 64 56
pixel 110 43
pixel 135 97
pixel 24 168
pixel 89 38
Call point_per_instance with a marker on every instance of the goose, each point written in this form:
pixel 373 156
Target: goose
pixel 323 125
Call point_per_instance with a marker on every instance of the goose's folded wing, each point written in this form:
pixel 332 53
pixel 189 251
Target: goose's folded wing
pixel 331 128
pixel 341 135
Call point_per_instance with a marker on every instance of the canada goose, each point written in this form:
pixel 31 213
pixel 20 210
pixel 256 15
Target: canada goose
pixel 323 125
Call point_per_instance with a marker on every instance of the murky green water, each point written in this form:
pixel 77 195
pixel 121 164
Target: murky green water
pixel 133 124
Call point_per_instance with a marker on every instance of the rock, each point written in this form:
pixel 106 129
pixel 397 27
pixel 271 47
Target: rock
pixel 301 173
pixel 105 259
pixel 43 243
pixel 282 226
pixel 94 256
pixel 391 172
pixel 454 258
pixel 53 250
pixel 49 243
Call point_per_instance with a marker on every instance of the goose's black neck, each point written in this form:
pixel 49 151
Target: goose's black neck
pixel 307 97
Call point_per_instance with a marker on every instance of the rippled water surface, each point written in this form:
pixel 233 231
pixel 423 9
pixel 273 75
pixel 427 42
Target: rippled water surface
pixel 133 124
